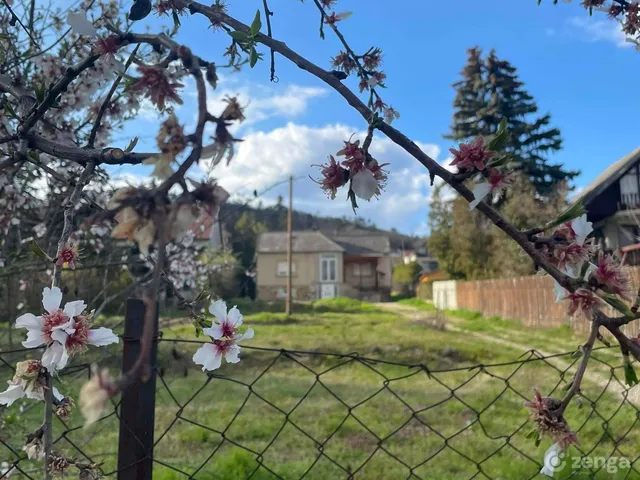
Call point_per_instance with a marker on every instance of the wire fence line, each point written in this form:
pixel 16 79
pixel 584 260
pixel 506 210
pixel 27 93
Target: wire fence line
pixel 287 414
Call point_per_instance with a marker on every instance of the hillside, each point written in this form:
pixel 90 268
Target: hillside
pixel 243 223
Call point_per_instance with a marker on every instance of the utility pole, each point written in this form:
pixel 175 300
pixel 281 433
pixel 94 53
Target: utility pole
pixel 289 248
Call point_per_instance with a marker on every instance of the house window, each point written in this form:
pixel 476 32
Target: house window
pixel 283 268
pixel 328 269
pixel 362 270
pixel 629 184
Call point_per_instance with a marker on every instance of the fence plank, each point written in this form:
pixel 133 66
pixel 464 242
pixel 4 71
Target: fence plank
pixel 530 299
pixel 137 410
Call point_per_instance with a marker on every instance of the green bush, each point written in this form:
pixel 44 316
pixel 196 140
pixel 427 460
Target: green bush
pixel 342 304
pixel 406 273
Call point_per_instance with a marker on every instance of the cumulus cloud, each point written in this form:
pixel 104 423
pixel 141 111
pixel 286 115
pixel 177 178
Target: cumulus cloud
pixel 266 158
pixel 600 30
pixel 264 102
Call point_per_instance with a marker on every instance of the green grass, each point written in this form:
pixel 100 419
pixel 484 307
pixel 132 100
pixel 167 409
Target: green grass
pixel 417 303
pixel 261 404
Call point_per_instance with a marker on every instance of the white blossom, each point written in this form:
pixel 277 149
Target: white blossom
pixel 64 332
pixel 225 336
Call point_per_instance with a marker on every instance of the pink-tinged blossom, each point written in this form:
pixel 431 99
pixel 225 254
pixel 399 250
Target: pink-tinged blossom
pixel 344 62
pixel 390 114
pixel 613 277
pixel 334 17
pixel 333 177
pixel 354 156
pixel 378 172
pixel 27 382
pixel 495 181
pixel 372 60
pixel 225 338
pixel 64 332
pixel 68 257
pixel 584 302
pixel 471 155
pixel 157 86
pixel 577 229
pixel 571 256
pixel 379 105
pixel 108 45
pixel 546 413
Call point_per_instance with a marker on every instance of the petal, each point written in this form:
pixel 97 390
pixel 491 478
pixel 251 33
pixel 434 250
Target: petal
pixel 51 299
pixel 57 395
pixel 582 227
pixel 231 355
pixel 10 395
pixel 364 184
pixel 480 191
pixel 59 336
pixel 102 336
pixel 248 335
pixel 75 308
pixel 30 321
pixel 590 269
pixel 208 356
pixel 216 331
pixel 560 292
pixel 35 338
pixel 80 25
pixel 35 393
pixel 219 310
pixel 55 357
pixel 235 317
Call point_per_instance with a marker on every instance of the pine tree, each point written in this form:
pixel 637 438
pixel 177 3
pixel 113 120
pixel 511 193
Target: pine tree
pixel 489 91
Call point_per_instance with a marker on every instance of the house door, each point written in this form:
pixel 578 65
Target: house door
pixel 328 276
pixel 327 290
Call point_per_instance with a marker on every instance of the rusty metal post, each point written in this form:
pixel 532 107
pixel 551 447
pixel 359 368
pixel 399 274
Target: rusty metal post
pixel 137 408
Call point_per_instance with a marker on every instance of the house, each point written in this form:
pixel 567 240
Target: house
pixel 612 202
pixel 324 266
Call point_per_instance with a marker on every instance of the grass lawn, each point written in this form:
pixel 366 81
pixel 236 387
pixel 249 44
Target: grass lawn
pixel 317 416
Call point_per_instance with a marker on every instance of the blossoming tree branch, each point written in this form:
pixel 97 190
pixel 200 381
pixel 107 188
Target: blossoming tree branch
pixel 58 116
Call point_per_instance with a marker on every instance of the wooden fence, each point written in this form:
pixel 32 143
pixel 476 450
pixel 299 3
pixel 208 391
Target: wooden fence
pixel 528 299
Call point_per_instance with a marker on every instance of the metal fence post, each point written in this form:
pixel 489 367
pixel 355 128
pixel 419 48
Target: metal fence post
pixel 137 408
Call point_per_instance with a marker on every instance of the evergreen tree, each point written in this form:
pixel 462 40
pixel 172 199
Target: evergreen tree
pixel 489 91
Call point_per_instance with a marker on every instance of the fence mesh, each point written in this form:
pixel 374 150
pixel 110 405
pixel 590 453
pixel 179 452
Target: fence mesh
pixel 285 414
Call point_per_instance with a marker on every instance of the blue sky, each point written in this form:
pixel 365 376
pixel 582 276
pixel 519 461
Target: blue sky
pixel 578 68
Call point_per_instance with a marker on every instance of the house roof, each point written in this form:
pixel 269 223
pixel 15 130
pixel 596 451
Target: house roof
pixel 607 178
pixel 315 241
pixel 303 242
pixel 363 245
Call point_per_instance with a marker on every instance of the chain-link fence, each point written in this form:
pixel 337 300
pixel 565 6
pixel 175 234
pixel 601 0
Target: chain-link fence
pixel 285 414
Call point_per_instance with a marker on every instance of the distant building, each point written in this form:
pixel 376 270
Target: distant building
pixel 324 266
pixel 612 201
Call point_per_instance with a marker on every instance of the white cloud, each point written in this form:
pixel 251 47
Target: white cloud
pixel 265 158
pixel 263 102
pixel 600 30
